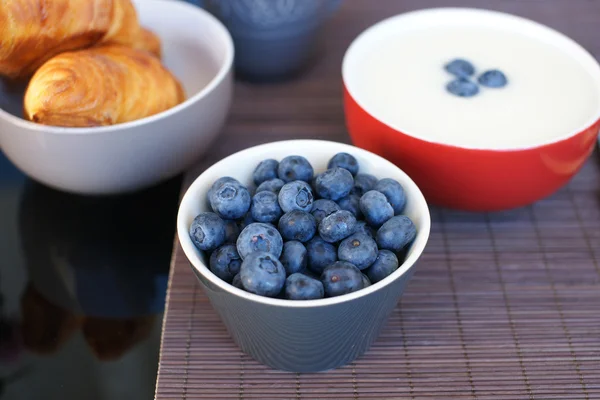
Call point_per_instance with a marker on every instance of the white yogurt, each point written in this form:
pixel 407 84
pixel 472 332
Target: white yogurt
pixel 400 79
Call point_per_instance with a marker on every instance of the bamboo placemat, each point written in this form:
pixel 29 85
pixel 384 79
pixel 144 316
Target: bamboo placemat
pixel 502 306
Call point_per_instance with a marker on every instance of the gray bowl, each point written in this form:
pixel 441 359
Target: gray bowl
pixel 312 335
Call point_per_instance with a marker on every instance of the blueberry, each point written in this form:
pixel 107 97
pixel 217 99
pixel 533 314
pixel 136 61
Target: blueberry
pixel 337 226
pixel 363 183
pixel 207 231
pixel 225 262
pixel 296 195
pixel 302 287
pixel 364 228
pixel 265 170
pixel 358 249
pixel 351 203
pixel 294 257
pixel 334 183
pixel 295 168
pixel 245 221
pixel 462 87
pixel 259 236
pixel 384 265
pixel 341 278
pixel 344 160
pixel 493 79
pixel 396 233
pixel 223 180
pixel 237 282
pixel 366 281
pixel 265 207
pixel 460 68
pixel 376 208
pixel 297 225
pixel 394 193
pixel 322 208
pixel 232 231
pixel 320 255
pixel 262 273
pixel 273 185
pixel 229 199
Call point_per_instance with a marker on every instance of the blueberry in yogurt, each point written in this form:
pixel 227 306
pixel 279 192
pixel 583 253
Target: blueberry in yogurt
pixel 462 87
pixel 493 79
pixel 460 68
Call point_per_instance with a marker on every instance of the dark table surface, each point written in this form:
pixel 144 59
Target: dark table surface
pixel 82 290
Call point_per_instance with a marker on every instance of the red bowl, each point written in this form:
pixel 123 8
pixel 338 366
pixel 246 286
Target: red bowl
pixel 472 179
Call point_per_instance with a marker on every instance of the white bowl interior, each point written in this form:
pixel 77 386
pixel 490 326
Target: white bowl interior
pixel 458 17
pixel 196 48
pixel 241 166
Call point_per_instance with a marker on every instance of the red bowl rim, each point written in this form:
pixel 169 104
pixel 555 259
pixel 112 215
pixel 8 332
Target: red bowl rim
pixel 585 57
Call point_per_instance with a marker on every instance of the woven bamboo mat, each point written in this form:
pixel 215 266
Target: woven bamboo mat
pixel 502 306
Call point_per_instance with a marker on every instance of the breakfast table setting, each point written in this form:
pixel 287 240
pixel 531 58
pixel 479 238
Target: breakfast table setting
pixel 392 199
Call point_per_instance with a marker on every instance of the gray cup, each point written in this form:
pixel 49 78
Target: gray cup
pixel 302 335
pixel 274 39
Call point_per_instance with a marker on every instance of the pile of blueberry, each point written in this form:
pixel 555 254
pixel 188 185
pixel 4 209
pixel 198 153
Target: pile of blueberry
pixel 464 86
pixel 303 236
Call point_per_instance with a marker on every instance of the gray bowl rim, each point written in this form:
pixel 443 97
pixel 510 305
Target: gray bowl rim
pixel 418 246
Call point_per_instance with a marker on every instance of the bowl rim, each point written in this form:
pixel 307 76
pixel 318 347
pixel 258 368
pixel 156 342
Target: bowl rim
pixel 546 30
pixel 190 250
pixel 224 69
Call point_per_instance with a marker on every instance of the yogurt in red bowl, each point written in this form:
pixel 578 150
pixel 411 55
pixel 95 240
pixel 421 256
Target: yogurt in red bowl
pixel 485 147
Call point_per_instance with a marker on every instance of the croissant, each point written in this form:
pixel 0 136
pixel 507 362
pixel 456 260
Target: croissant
pixel 148 41
pixel 102 85
pixel 33 31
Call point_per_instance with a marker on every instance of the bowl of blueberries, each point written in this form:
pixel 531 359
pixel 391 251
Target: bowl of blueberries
pixel 303 248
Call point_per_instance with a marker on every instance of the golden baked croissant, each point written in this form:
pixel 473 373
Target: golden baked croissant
pixel 33 31
pixel 102 85
pixel 148 41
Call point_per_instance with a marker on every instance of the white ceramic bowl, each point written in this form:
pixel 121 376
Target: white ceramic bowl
pixel 311 335
pixel 198 49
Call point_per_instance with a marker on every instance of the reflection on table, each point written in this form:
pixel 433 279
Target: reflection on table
pixel 88 317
